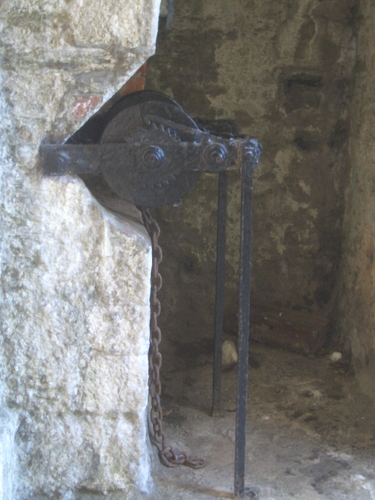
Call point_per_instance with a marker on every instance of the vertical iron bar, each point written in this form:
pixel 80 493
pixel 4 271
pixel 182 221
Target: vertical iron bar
pixel 220 283
pixel 170 12
pixel 243 327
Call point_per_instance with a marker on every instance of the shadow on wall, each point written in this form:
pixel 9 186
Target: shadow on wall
pixel 284 72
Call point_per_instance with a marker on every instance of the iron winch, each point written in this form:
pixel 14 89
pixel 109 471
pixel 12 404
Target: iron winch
pixel 151 153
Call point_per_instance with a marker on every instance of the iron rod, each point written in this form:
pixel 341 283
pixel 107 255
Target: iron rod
pixel 170 13
pixel 220 285
pixel 243 327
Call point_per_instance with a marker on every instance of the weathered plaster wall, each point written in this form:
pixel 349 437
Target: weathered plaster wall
pixel 356 315
pixel 75 277
pixel 282 70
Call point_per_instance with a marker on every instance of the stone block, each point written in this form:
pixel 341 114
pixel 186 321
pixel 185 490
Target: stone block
pixel 8 459
pixel 75 276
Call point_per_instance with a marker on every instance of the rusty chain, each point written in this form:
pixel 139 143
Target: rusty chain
pixel 167 455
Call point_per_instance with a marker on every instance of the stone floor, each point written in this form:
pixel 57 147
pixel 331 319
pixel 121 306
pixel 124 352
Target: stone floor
pixel 310 434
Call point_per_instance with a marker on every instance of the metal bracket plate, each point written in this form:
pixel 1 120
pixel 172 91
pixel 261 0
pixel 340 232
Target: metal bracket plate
pixel 150 152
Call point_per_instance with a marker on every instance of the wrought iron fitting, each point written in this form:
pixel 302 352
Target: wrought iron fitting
pixel 150 152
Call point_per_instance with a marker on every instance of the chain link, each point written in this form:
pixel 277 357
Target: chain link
pixel 167 455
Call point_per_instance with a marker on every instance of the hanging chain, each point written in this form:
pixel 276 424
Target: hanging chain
pixel 167 456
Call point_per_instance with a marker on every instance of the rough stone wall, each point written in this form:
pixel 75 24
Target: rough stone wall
pixel 75 277
pixel 282 70
pixel 356 315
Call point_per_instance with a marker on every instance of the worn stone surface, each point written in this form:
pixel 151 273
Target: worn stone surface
pixel 8 459
pixel 75 278
pixel 282 70
pixel 310 432
pixel 76 320
pixel 80 53
pixel 356 319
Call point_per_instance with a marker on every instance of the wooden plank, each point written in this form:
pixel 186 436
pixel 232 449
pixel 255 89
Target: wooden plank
pixel 297 331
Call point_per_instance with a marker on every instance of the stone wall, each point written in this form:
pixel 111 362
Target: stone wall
pixel 356 315
pixel 75 277
pixel 283 71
